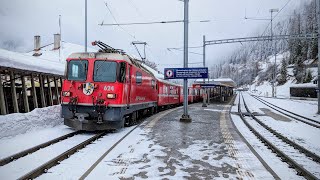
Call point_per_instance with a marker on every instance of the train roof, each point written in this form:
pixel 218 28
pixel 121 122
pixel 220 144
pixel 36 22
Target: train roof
pixel 168 82
pixel 101 55
pixel 110 56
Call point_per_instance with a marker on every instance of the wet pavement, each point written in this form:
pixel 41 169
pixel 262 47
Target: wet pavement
pixel 165 148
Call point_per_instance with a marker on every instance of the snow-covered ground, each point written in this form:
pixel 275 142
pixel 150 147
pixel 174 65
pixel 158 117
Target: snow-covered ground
pixel 265 88
pixel 300 133
pixel 281 91
pixel 303 107
pixel 40 118
pixel 138 155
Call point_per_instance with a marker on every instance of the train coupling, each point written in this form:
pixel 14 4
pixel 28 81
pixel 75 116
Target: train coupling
pixel 81 116
pixel 100 119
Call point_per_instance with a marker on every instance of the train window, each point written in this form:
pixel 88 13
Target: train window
pixel 138 77
pixel 77 70
pixel 153 83
pixel 122 72
pixel 105 71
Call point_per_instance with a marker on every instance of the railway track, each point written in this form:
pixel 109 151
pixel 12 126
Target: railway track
pixel 294 155
pixel 57 160
pixel 43 168
pixel 23 153
pixel 293 115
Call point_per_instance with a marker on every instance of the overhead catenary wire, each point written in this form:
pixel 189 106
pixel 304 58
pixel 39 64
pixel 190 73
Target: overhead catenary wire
pixel 148 23
pixel 117 21
pixel 120 26
pixel 178 64
pixel 275 17
pixel 135 8
pixel 188 52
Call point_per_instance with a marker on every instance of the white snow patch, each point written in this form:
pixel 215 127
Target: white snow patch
pixel 40 118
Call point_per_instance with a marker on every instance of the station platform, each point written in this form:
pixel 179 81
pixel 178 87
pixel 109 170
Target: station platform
pixel 209 147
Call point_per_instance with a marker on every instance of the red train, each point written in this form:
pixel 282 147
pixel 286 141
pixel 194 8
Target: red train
pixel 109 90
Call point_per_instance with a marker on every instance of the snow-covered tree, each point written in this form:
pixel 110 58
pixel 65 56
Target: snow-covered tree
pixel 283 73
pixel 308 77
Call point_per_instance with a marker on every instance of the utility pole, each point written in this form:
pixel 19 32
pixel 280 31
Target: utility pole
pixel 204 65
pixel 318 10
pixel 85 31
pixel 60 38
pixel 275 57
pixel 185 117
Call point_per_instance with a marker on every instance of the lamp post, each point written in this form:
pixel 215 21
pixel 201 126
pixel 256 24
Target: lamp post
pixel 318 13
pixel 85 26
pixel 185 117
pixel 275 55
pixel 204 65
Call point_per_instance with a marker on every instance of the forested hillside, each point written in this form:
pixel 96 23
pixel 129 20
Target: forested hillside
pixel 254 59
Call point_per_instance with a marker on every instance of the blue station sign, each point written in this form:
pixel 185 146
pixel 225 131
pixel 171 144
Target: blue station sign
pixel 182 73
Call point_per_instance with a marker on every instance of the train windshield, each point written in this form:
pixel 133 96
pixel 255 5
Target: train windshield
pixel 77 70
pixel 105 71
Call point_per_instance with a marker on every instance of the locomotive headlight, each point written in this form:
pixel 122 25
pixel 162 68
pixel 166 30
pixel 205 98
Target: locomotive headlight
pixel 111 96
pixel 66 93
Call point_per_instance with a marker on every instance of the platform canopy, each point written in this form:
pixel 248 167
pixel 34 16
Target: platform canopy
pixel 228 82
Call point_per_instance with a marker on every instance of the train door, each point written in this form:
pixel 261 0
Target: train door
pixel 168 94
pixel 129 85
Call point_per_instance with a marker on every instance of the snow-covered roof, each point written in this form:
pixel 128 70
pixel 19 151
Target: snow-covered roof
pixel 223 80
pixel 305 85
pixel 219 81
pixel 155 73
pixel 48 62
pixel 26 62
pixel 48 52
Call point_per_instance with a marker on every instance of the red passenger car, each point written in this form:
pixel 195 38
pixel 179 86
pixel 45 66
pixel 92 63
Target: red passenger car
pixel 168 93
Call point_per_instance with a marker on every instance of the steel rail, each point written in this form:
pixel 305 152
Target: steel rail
pixel 308 153
pixel 306 122
pixel 106 153
pixel 23 153
pixel 44 168
pixel 292 164
pixel 258 98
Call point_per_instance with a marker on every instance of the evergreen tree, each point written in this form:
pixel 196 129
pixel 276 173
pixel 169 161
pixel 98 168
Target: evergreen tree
pixel 283 73
pixel 298 70
pixel 308 77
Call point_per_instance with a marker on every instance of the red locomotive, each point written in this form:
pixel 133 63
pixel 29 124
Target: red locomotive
pixel 109 89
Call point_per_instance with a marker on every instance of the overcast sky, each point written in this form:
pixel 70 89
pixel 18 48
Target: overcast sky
pixel 20 20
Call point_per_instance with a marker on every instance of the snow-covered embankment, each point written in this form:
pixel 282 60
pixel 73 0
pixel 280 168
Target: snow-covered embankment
pixel 19 123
